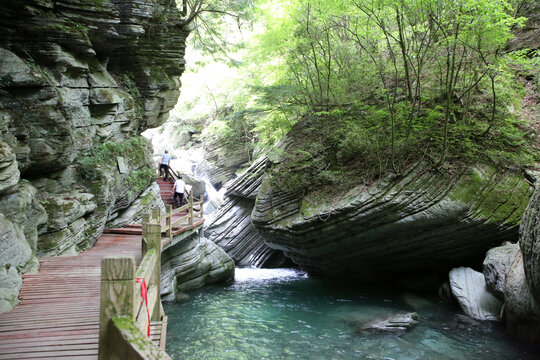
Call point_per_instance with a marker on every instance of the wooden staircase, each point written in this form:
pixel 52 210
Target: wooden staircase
pixel 166 189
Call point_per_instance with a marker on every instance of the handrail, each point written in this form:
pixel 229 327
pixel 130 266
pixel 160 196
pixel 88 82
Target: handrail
pixel 190 216
pixel 121 309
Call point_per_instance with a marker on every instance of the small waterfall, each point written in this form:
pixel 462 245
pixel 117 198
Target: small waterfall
pixel 187 163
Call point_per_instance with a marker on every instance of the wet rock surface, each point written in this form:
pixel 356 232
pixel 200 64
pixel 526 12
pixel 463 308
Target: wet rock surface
pixel 470 290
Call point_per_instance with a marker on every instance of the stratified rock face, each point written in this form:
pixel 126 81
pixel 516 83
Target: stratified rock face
pixel 15 253
pixel 78 80
pixel 231 228
pixel 496 265
pixel 222 159
pixel 193 263
pixel 522 285
pixel 148 200
pixel 529 242
pixel 470 290
pixel 522 312
pixel 397 225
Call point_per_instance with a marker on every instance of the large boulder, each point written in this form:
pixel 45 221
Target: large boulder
pixel 394 226
pixel 496 265
pixel 192 263
pixel 16 257
pixel 10 285
pixel 14 249
pixel 22 207
pixel 470 290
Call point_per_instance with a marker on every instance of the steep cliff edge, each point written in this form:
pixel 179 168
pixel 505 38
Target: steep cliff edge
pixel 79 80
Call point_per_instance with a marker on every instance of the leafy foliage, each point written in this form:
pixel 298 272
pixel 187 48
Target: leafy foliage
pixel 384 83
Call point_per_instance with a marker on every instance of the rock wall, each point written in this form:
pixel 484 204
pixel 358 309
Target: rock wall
pixel 78 80
pixel 521 276
pixel 420 221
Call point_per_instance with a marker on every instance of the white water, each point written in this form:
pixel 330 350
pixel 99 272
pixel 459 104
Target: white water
pixel 252 274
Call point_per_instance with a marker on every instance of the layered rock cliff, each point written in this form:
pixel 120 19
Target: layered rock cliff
pixel 231 228
pixel 78 80
pixel 419 220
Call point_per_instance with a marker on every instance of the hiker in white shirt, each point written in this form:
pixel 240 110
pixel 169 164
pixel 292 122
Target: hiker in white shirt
pixel 165 160
pixel 179 188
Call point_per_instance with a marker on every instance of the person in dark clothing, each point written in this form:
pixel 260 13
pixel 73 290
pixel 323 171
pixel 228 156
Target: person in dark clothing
pixel 164 166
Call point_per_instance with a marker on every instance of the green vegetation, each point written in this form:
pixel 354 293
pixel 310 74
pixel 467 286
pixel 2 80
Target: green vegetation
pixel 138 180
pixel 127 80
pixel 375 86
pixel 135 150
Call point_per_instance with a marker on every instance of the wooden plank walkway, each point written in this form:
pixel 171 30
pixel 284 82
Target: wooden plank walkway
pixel 58 317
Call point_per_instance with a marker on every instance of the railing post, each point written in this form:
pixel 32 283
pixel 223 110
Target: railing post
pixel 117 296
pixel 154 242
pixel 168 221
pixel 144 243
pixel 156 214
pixel 190 218
pixel 202 202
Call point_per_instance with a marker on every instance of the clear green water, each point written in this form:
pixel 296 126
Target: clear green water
pixel 282 314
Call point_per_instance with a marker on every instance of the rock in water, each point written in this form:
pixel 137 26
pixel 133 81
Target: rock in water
pixel 496 265
pixel 470 290
pixel 393 323
pixel 192 263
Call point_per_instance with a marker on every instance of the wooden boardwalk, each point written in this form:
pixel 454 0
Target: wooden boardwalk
pixel 58 317
pixel 59 313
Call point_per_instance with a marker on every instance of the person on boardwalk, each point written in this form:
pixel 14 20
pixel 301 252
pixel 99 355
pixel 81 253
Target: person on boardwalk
pixel 179 188
pixel 165 160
